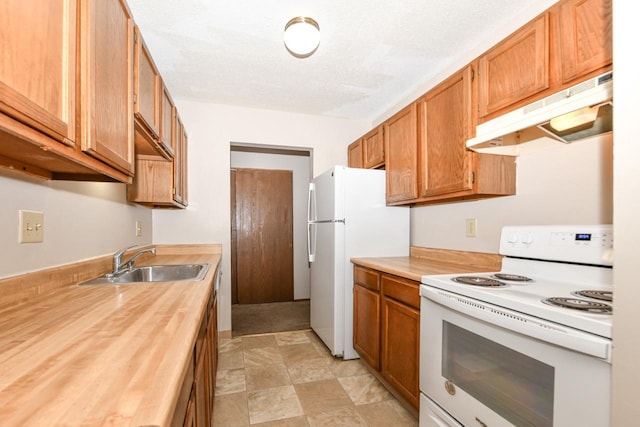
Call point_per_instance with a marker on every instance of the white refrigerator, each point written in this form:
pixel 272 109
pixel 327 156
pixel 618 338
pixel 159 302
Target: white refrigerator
pixel 347 217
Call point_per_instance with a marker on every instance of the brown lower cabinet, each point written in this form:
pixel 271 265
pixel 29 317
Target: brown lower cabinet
pixel 195 403
pixel 386 324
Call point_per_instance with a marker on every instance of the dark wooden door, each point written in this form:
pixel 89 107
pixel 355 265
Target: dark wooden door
pixel 262 235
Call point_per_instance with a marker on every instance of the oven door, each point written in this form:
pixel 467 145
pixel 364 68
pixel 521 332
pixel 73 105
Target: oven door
pixel 487 366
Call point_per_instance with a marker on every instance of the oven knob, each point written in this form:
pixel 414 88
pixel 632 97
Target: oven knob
pixel 450 387
pixel 527 239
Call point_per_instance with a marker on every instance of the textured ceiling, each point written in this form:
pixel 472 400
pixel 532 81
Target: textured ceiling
pixel 372 52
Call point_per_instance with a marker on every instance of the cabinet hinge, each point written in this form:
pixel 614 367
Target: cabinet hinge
pixel 473 177
pixel 135 37
pixel 473 73
pixel 135 98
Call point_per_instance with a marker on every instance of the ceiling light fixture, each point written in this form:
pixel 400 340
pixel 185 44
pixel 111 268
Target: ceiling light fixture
pixel 302 36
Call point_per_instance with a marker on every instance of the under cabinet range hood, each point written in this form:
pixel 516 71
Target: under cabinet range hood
pixel 578 112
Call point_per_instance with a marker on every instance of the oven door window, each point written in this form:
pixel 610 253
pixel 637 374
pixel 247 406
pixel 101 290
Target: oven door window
pixel 517 387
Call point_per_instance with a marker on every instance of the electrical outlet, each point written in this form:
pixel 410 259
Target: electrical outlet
pixel 30 226
pixel 138 228
pixel 472 227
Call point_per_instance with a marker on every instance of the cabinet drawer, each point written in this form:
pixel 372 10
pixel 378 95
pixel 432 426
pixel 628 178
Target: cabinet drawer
pixel 366 277
pixel 403 290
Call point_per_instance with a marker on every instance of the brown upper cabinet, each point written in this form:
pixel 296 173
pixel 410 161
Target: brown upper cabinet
pixel 50 124
pixel 106 82
pixel 585 37
pixel 373 148
pixel 445 125
pixel 159 182
pixel 167 138
pixel 427 160
pixel 354 152
pixel 516 68
pixel 401 155
pixel 147 102
pixel 570 42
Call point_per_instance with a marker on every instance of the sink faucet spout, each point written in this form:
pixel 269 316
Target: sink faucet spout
pixel 119 265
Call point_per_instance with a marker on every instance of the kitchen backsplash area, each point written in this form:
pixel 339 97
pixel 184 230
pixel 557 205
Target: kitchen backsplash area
pixel 572 182
pixel 81 220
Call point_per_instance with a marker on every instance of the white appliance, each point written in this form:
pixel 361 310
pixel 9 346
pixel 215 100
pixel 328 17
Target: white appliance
pixel 535 123
pixel 496 350
pixel 347 217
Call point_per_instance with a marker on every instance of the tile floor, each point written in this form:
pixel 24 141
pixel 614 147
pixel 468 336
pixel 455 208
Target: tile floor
pixel 290 379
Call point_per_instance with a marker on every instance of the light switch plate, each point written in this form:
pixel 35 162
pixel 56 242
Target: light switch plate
pixel 31 226
pixel 138 228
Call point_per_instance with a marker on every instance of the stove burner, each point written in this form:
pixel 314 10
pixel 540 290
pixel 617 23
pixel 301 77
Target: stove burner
pixel 579 304
pixel 478 281
pixel 601 295
pixel 512 277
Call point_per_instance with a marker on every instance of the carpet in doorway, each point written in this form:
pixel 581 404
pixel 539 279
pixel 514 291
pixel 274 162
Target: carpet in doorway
pixel 249 319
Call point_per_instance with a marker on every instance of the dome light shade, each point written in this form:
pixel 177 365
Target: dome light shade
pixel 302 36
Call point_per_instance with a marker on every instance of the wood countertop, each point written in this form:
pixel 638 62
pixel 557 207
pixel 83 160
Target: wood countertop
pixel 425 261
pixel 102 354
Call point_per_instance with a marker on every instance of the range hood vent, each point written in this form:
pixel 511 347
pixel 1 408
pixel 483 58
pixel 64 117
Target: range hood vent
pixel 575 113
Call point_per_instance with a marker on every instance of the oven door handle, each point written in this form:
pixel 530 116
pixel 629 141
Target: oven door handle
pixel 553 333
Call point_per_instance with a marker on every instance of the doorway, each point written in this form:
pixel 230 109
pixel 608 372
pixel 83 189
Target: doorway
pixel 278 316
pixel 262 235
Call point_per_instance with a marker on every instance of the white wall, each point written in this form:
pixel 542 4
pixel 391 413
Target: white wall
pixel 626 93
pixel 81 220
pixel 571 184
pixel 210 129
pixel 300 166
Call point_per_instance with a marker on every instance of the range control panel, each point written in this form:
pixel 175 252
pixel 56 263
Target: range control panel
pixel 584 244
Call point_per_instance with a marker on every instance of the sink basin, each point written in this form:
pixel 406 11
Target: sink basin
pixel 155 273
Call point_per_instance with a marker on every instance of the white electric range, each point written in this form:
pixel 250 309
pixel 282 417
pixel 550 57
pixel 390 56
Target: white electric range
pixel 512 347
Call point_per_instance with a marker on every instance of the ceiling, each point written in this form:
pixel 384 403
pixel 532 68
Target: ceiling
pixel 372 53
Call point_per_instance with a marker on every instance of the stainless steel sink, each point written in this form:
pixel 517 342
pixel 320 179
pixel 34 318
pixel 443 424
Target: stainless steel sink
pixel 154 273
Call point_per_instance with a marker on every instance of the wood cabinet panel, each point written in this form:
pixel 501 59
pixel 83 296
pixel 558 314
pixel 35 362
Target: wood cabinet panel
pixel 515 69
pixel 585 37
pixel 147 102
pixel 446 113
pixel 366 326
pixel 373 148
pixel 403 290
pixel 354 152
pixel 401 155
pixel 401 348
pixel 366 277
pixel 106 82
pixel 167 111
pixel 162 183
pixel 37 74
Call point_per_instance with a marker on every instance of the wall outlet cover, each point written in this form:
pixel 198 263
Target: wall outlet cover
pixel 30 226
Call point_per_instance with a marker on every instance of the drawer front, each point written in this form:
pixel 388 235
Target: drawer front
pixel 366 277
pixel 403 290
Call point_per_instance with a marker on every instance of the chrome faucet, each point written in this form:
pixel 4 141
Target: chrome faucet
pixel 120 266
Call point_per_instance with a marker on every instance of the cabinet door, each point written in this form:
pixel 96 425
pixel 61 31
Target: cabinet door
pixel 106 77
pixel 200 389
pixel 147 101
pixel 180 163
pixel 446 115
pixel 366 325
pixel 212 338
pixel 401 348
pixel 585 37
pixel 401 148
pixel 354 152
pixel 37 74
pixel 516 68
pixel 373 148
pixel 167 110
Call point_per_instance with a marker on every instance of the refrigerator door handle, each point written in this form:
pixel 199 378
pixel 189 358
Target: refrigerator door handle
pixel 312 231
pixel 311 202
